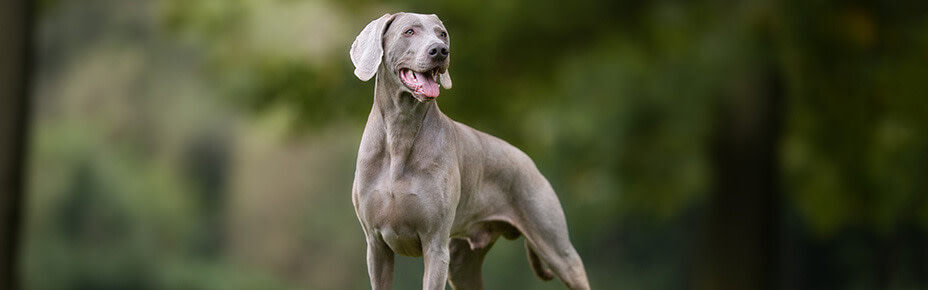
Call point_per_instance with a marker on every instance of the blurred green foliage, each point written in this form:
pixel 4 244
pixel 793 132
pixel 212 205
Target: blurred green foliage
pixel 210 144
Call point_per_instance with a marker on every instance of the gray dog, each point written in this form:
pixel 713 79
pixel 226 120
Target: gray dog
pixel 429 186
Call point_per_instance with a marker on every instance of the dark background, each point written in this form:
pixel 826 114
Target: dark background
pixel 168 144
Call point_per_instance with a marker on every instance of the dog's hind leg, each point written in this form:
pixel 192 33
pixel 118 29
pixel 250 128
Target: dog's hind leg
pixel 557 252
pixel 466 263
pixel 545 229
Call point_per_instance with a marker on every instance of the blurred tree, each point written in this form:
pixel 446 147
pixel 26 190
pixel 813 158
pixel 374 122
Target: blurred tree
pixel 744 207
pixel 208 164
pixel 855 142
pixel 15 78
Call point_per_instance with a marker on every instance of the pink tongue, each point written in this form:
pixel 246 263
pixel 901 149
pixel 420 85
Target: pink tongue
pixel 426 85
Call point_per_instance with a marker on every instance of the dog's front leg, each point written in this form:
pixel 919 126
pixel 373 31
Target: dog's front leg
pixel 436 256
pixel 379 264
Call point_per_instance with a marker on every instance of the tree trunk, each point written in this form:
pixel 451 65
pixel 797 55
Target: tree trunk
pixel 742 235
pixel 15 28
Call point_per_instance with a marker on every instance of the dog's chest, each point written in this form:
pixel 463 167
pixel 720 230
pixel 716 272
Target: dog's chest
pixel 410 190
pixel 403 210
pixel 402 196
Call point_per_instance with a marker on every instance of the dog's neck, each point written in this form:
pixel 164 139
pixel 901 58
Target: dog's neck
pixel 403 116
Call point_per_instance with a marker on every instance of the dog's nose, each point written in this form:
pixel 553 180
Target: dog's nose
pixel 438 51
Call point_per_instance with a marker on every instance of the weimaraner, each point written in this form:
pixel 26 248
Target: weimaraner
pixel 429 186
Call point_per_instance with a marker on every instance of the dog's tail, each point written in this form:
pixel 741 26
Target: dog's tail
pixel 537 266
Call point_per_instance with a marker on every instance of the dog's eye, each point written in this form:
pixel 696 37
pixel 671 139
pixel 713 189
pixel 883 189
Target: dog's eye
pixel 410 32
pixel 443 34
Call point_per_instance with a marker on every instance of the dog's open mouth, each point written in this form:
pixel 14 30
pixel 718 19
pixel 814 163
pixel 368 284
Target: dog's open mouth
pixel 421 83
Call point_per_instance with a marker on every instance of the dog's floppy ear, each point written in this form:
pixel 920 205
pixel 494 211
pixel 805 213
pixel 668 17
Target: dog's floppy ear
pixel 367 49
pixel 445 79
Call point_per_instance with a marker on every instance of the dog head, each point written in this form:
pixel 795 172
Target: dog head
pixel 412 50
